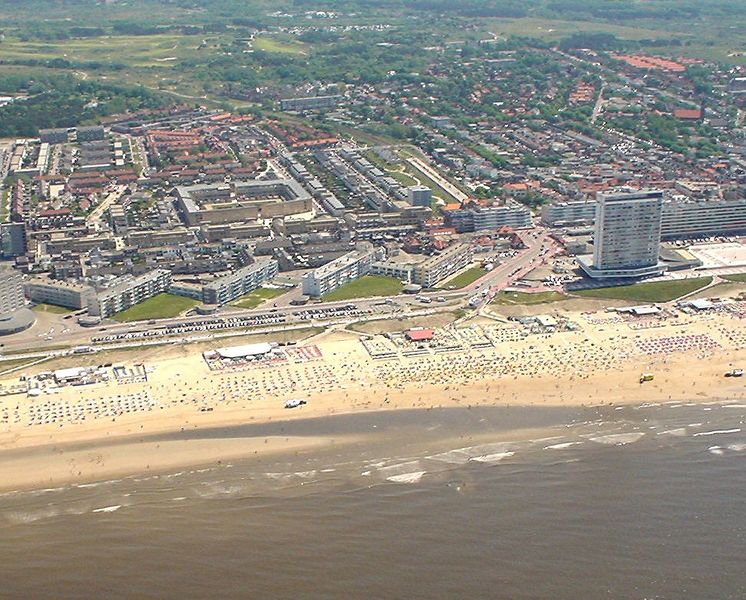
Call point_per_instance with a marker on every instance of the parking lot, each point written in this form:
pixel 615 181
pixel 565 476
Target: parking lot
pixel 237 322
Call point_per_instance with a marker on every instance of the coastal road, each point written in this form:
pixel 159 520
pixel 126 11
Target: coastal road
pixel 215 336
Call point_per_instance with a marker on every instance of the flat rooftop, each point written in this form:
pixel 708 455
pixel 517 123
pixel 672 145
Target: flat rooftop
pixel 714 256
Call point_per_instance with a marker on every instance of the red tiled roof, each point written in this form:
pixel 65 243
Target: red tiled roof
pixel 692 114
pixel 420 335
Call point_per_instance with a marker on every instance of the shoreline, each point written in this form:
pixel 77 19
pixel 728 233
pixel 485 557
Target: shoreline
pixel 129 448
pixel 597 366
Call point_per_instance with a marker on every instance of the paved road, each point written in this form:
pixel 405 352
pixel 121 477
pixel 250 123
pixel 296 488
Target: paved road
pixel 111 199
pixel 538 244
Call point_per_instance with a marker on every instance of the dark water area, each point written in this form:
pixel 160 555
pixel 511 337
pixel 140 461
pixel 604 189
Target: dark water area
pixel 612 502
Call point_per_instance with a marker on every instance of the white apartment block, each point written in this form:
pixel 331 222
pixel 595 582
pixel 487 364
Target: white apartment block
pixel 346 268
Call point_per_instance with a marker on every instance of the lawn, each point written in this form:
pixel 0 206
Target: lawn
pixel 162 306
pixel 739 277
pixel 257 297
pixel 366 287
pixel 51 308
pixel 4 206
pixel 657 291
pixel 463 279
pixel 272 44
pixel 527 298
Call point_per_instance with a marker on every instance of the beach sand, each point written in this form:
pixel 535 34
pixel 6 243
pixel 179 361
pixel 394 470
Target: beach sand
pixel 600 364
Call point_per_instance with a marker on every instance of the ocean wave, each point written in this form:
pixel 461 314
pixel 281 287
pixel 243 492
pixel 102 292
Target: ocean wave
pixel 107 509
pixel 618 439
pixel 400 468
pixel 718 432
pixel 461 456
pixel 412 477
pixel 561 446
pixel 22 517
pixel 679 431
pixel 492 458
pixel 717 450
pixel 97 483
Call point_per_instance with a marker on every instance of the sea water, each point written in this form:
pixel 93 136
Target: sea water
pixel 612 502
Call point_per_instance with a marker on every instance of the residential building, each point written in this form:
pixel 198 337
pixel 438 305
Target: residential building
pixel 627 235
pixel 420 195
pixel 128 291
pixel 14 316
pixel 485 218
pixel 60 293
pixel 337 273
pixel 12 240
pixel 53 136
pixel 91 134
pixel 311 103
pixel 241 282
pixel 685 218
pixel 11 290
pixel 681 217
pixel 569 214
pixel 440 266
pixel 494 217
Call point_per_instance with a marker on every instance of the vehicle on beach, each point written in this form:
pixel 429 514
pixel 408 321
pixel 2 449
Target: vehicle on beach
pixel 295 403
pixel 646 377
pixel 735 373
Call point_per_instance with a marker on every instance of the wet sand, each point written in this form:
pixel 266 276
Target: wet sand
pixel 601 364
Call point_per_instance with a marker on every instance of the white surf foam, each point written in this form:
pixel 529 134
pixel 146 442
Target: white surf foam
pixel 107 509
pixel 398 469
pixel 717 432
pixel 492 458
pixel 413 477
pixel 678 431
pixel 460 456
pixel 618 439
pixel 561 446
pixel 717 450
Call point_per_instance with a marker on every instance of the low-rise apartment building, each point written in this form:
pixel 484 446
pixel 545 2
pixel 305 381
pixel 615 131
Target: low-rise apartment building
pixel 337 273
pixel 243 281
pixel 129 291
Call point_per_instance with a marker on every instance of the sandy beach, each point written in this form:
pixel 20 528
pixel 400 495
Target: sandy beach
pixel 600 363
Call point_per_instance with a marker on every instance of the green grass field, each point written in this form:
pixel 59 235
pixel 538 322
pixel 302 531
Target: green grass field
pixel 657 291
pixel 524 298
pixel 463 279
pixel 162 306
pixel 258 297
pixel 280 46
pixel 4 206
pixel 738 277
pixel 51 308
pixel 366 287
